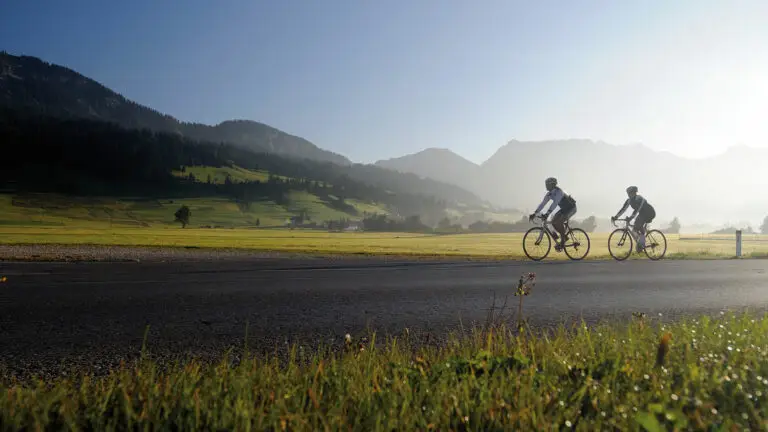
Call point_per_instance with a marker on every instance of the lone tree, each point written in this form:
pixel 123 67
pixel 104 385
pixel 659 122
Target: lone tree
pixel 764 227
pixel 444 223
pixel 182 215
pixel 674 226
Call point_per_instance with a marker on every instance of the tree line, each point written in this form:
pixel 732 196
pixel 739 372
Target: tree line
pixel 85 157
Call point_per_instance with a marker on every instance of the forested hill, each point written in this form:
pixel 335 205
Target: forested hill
pixel 31 83
pixel 87 157
pixel 34 87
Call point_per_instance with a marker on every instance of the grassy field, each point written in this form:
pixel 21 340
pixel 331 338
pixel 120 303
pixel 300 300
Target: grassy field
pixel 52 210
pixel 50 219
pixel 219 174
pixel 700 374
pixel 469 245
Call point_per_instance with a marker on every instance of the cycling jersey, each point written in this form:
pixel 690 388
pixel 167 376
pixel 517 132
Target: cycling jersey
pixel 559 198
pixel 639 205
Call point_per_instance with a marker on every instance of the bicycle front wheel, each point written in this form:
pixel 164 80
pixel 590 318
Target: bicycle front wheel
pixel 620 244
pixel 655 245
pixel 536 243
pixel 579 247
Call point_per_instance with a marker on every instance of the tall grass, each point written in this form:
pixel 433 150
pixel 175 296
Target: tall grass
pixel 700 374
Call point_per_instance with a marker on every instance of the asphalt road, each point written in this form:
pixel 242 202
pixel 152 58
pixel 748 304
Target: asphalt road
pixel 96 312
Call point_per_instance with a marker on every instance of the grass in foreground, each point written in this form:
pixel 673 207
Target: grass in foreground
pixel 702 374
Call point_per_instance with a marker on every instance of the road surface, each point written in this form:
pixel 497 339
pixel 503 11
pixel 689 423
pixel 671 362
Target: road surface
pixel 96 312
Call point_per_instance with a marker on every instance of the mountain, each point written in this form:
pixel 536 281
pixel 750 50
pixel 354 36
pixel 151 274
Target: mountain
pixel 438 164
pixel 92 158
pixel 33 89
pixel 30 83
pixel 597 173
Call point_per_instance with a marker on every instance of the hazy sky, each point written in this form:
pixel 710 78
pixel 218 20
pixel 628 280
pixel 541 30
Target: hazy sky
pixel 380 79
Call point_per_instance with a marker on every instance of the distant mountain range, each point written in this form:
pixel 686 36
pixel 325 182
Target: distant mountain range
pixel 31 83
pixel 726 187
pixel 33 86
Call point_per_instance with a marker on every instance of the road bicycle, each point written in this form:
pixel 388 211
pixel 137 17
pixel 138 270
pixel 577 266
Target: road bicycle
pixel 537 241
pixel 624 237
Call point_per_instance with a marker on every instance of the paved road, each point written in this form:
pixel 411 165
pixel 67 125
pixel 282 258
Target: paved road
pixel 98 310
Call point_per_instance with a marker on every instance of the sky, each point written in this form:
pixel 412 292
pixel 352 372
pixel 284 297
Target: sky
pixel 374 80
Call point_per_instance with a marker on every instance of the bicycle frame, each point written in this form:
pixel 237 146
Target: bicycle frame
pixel 630 228
pixel 544 222
pixel 576 239
pixel 546 225
pixel 653 239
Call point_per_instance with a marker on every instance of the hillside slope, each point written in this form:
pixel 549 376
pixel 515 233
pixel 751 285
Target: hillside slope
pixel 32 84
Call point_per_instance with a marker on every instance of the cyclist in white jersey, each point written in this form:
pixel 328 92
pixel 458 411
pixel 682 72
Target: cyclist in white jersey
pixel 560 199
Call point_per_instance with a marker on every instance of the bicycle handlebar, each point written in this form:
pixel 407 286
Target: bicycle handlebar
pixel 625 220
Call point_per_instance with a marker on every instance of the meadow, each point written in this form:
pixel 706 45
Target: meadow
pixel 489 246
pixel 45 219
pixel 49 210
pixel 706 373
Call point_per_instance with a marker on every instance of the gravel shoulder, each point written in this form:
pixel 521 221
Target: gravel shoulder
pixel 99 253
pixel 95 253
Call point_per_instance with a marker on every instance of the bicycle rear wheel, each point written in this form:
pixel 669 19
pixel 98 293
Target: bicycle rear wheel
pixel 655 245
pixel 579 247
pixel 536 243
pixel 620 244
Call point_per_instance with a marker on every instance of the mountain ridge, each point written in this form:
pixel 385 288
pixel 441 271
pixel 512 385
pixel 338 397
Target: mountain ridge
pixel 32 83
pixel 711 189
pixel 596 172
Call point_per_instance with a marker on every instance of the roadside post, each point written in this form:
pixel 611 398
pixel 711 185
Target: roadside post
pixel 738 243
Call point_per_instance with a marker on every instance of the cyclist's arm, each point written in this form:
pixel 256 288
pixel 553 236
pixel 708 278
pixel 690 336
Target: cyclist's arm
pixel 543 202
pixel 640 207
pixel 557 196
pixel 623 209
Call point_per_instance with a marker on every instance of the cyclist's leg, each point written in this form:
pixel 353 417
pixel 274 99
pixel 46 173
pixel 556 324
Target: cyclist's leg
pixel 558 222
pixel 570 213
pixel 640 222
pixel 648 219
pixel 564 218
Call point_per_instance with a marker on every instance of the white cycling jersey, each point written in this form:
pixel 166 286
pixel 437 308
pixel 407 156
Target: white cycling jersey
pixel 556 195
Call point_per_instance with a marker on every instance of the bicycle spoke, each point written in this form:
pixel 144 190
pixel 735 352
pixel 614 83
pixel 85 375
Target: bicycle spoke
pixel 620 244
pixel 536 244
pixel 579 247
pixel 655 245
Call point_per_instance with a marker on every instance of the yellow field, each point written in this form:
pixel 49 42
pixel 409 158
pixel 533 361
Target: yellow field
pixel 469 245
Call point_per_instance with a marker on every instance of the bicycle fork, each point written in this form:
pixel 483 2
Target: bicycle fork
pixel 636 238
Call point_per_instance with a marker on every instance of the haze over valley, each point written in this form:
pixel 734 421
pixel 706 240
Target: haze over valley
pixel 711 192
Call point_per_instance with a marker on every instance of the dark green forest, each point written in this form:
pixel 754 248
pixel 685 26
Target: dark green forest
pixel 85 157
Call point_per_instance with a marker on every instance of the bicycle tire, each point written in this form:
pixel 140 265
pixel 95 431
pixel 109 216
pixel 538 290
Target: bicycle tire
pixel 663 238
pixel 546 238
pixel 586 251
pixel 623 232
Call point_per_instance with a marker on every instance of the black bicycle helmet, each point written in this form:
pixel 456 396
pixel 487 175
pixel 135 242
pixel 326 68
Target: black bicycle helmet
pixel 550 183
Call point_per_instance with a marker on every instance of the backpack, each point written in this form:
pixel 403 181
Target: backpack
pixel 568 202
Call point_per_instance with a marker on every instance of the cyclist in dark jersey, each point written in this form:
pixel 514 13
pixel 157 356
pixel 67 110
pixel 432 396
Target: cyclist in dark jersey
pixel 642 209
pixel 559 199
